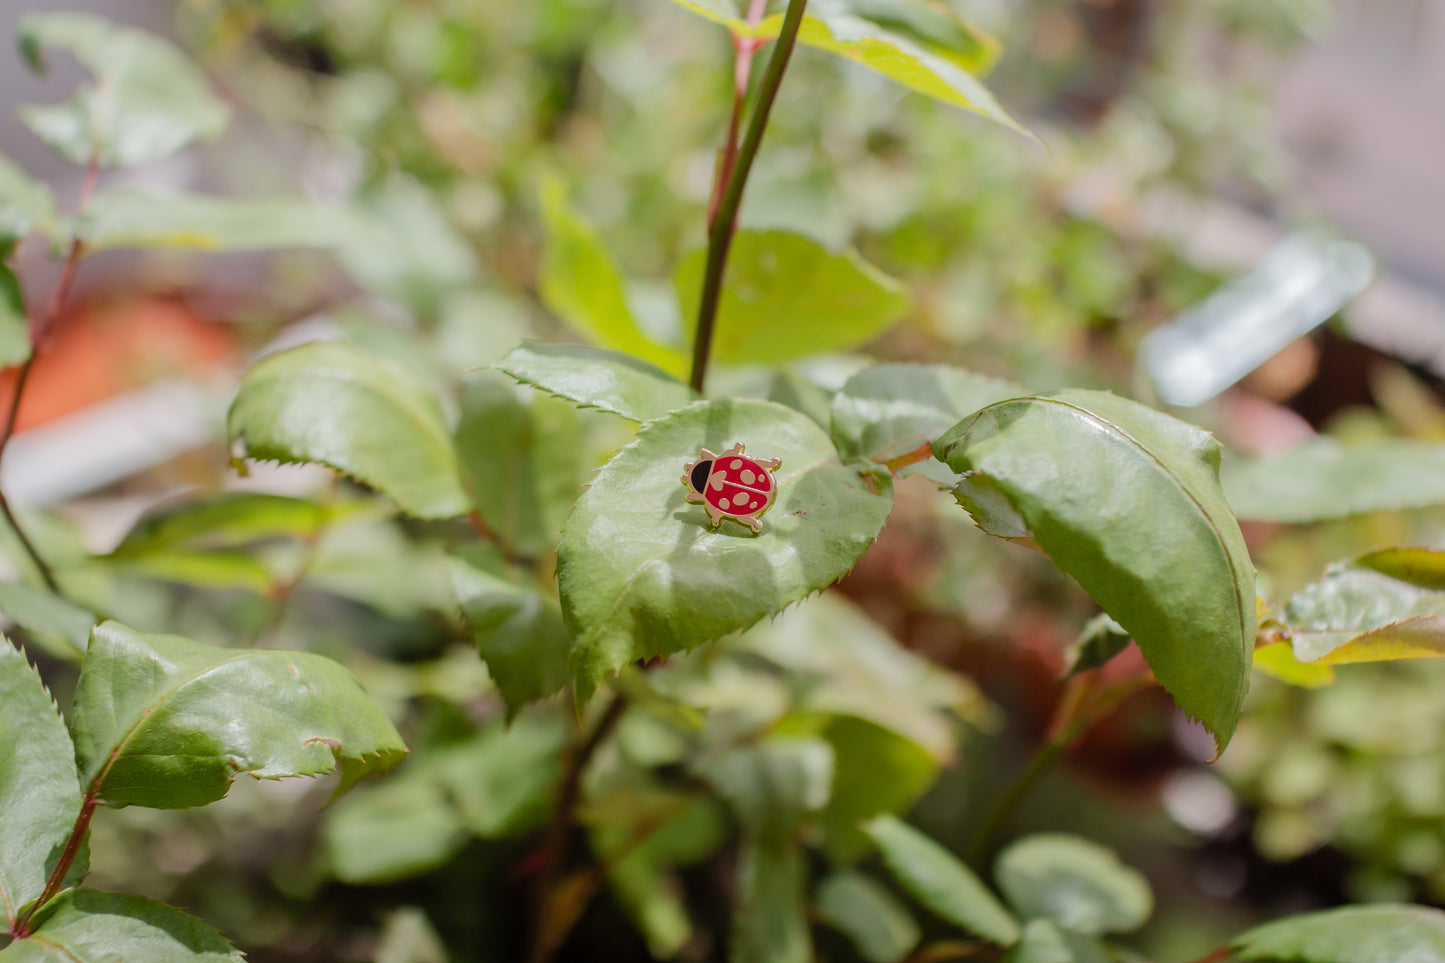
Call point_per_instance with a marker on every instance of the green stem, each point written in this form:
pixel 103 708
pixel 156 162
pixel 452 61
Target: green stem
pixel 724 219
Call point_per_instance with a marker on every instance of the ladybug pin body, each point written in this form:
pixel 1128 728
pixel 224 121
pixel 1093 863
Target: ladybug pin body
pixel 732 485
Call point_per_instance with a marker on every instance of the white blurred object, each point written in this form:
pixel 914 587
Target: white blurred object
pixel 1297 287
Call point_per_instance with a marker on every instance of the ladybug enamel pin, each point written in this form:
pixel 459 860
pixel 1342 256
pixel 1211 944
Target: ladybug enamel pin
pixel 732 485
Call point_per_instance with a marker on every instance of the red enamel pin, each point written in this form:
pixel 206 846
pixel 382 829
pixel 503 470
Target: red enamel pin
pixel 732 485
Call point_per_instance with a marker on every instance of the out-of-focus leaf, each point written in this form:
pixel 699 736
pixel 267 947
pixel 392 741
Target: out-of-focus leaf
pixel 890 409
pixel 214 570
pixel 1324 479
pixel 1421 567
pixel 166 722
pixel 14 329
pixel 407 936
pixel 940 881
pixel 403 827
pixel 877 772
pixel 1041 942
pixel 39 790
pixel 125 218
pixel 375 562
pixel 770 919
pixel 147 101
pixel 641 572
pixel 582 285
pixel 799 393
pixel 225 520
pixel 1277 660
pixel 1078 884
pixel 597 378
pixel 1099 641
pixel 334 404
pixel 503 780
pixel 879 926
pixel 85 925
pixel 1127 501
pixel 522 463
pixel 1382 933
pixel 786 296
pixel 25 205
pixel 1355 614
pixel 519 633
pixel 774 787
pixel 846 665
pixel 922 46
pixel 61 626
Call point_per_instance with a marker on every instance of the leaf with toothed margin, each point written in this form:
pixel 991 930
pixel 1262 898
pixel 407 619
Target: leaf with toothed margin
pixel 165 722
pixel 335 404
pixel 88 926
pixel 642 574
pixel 39 790
pixel 1381 933
pixel 1380 608
pixel 1127 501
pixel 598 378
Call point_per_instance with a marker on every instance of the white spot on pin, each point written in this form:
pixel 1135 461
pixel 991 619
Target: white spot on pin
pixel 735 463
pixel 740 498
pixel 748 477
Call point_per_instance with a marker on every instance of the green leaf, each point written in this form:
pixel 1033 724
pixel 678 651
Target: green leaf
pixel 770 917
pixel 1356 614
pixel 519 634
pixel 25 205
pixel 1422 567
pixel 1078 884
pixel 401 828
pixel 14 329
pixel 1127 501
pixel 225 520
pixel 1277 660
pixel 522 463
pixel 877 772
pixel 580 283
pixel 879 926
pixel 39 790
pixel 940 881
pixel 165 722
pixel 408 937
pixel 641 572
pixel 1323 479
pixel 1099 641
pixel 598 378
pixel 1382 933
pixel 889 410
pixel 334 404
pixel 504 780
pixel 62 627
pixel 126 218
pixel 801 394
pixel 786 296
pixel 775 787
pixel 148 100
pixel 88 926
pixel 1041 942
pixel 211 570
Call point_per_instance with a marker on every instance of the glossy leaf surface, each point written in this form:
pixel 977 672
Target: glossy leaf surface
pixel 124 218
pixel 940 881
pixel 1357 614
pixel 1127 501
pixel 880 927
pixel 336 405
pixel 641 572
pixel 1078 884
pixel 1382 933
pixel 1323 479
pixel 163 721
pixel 88 926
pixel 597 378
pixel 786 296
pixel 582 285
pixel 890 409
pixel 39 790
pixel 147 99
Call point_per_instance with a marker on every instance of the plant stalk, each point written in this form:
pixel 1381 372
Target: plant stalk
pixel 724 219
pixel 62 868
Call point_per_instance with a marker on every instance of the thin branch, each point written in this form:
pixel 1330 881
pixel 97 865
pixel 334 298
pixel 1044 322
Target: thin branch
pixel 39 336
pixel 559 828
pixel 720 231
pixel 745 48
pixel 922 453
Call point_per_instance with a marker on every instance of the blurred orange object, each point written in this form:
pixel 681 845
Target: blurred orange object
pixel 105 348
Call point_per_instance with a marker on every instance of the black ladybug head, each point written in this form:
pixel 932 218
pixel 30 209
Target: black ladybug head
pixel 700 471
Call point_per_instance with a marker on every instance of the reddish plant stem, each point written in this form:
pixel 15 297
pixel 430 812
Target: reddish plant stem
pixel 922 453
pixel 745 48
pixel 39 336
pixel 21 929
pixel 1215 956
